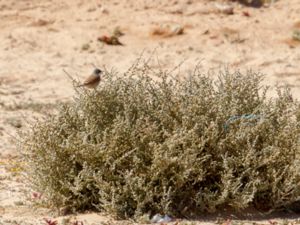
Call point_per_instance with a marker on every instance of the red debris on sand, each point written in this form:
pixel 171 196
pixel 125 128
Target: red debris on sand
pixel 110 40
pixel 245 13
pixel 272 222
pixel 50 222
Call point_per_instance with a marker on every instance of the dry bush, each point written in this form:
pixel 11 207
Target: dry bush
pixel 145 142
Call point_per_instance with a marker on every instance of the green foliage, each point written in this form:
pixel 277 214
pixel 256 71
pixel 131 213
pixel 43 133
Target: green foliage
pixel 145 142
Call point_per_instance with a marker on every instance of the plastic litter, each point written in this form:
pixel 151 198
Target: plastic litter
pixel 157 218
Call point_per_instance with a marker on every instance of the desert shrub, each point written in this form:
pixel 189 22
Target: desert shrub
pixel 148 142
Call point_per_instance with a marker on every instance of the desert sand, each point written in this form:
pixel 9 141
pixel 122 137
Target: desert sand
pixel 41 38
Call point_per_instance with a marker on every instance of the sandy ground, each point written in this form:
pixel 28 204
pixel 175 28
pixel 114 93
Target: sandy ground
pixel 41 38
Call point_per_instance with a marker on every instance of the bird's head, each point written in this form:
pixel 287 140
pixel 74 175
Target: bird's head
pixel 97 71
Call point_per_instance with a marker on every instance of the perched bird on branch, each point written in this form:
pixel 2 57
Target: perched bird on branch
pixel 93 80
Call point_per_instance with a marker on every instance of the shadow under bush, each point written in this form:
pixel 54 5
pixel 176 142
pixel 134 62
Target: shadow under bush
pixel 145 142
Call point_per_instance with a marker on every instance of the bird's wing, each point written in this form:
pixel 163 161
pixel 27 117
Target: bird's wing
pixel 91 79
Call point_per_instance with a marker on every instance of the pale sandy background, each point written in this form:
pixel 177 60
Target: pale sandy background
pixel 40 38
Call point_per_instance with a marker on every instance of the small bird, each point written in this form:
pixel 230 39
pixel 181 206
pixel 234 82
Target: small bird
pixel 93 80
